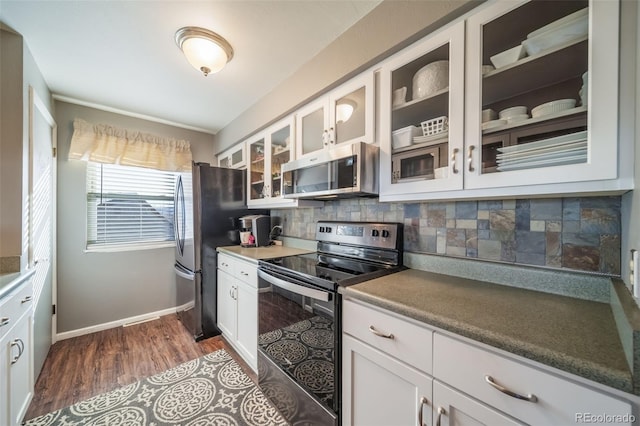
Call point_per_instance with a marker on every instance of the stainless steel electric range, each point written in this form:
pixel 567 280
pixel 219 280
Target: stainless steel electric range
pixel 299 315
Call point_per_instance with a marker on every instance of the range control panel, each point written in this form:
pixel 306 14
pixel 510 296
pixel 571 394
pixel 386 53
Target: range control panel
pixel 369 234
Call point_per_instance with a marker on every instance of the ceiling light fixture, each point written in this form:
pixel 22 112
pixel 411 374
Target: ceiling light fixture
pixel 344 109
pixel 205 50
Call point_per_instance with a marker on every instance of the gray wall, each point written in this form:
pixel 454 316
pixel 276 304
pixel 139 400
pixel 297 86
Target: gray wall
pixel 390 26
pixel 18 71
pixel 100 287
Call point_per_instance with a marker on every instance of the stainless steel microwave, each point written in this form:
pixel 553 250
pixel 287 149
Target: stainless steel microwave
pixel 340 172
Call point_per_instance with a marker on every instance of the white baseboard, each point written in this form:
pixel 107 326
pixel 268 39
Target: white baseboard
pixel 113 324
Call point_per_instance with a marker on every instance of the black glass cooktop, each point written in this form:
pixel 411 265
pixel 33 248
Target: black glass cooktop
pixel 323 269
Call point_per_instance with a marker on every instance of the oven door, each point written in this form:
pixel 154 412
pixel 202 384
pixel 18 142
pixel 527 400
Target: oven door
pixel 298 352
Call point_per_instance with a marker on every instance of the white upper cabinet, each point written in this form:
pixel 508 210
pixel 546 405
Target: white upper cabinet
pixel 267 152
pixel 422 117
pixel 566 81
pixel 533 105
pixel 344 115
pixel 234 158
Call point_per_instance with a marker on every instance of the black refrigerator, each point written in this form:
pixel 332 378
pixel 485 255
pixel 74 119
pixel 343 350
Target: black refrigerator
pixel 207 203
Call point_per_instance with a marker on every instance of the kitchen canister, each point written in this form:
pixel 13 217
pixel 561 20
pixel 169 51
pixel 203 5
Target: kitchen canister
pixel 430 79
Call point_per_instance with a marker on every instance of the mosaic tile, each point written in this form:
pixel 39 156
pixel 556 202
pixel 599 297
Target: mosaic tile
pixel 592 240
pixel 572 233
pixel 503 220
pixel 456 251
pixel 523 215
pixel 508 251
pixel 466 210
pixel 489 249
pixel 466 224
pixel 490 205
pixel 545 209
pixel 471 236
pixel 411 210
pixel 553 226
pixel 570 209
pixel 509 204
pixel 583 258
pixel 599 221
pixel 436 219
pixel 530 258
pixel 537 225
pixel 456 238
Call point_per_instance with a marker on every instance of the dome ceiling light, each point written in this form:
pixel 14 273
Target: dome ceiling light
pixel 205 50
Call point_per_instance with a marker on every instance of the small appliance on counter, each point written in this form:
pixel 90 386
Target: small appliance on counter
pixel 255 230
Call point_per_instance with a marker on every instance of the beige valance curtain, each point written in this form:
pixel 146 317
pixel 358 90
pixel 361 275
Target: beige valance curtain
pixel 102 143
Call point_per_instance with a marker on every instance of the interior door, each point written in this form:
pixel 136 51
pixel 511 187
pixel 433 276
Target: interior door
pixel 42 219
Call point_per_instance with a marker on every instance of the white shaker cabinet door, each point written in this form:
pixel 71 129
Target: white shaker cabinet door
pixel 378 390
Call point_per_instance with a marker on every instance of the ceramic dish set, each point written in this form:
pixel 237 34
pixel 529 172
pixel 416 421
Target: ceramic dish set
pixel 559 150
pixel 518 114
pixel 562 31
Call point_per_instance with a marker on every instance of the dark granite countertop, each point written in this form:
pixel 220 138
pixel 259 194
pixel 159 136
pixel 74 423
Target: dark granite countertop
pixel 574 335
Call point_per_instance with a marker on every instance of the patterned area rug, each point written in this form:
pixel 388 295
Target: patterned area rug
pixel 211 390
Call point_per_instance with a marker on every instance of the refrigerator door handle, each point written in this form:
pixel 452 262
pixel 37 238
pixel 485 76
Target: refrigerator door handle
pixel 187 275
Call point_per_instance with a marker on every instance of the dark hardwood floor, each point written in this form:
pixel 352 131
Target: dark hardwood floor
pixel 85 366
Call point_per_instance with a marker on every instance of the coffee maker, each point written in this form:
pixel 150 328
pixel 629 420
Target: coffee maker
pixel 254 230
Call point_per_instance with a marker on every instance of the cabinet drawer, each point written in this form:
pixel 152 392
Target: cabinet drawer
pixel 410 343
pixel 247 272
pixel 226 263
pixel 14 305
pixel 559 401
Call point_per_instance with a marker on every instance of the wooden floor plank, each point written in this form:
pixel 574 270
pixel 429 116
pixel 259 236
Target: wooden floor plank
pixel 85 366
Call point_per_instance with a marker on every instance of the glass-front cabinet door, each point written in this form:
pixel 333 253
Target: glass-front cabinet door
pixel 258 170
pixel 234 157
pixel 268 151
pixel 542 85
pixel 422 118
pixel 344 115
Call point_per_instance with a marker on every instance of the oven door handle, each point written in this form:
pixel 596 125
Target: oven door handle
pixel 295 288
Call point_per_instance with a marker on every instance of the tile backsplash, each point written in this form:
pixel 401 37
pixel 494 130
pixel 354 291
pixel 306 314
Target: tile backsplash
pixel 573 233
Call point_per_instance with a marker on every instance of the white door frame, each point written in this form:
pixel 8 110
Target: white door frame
pixel 36 103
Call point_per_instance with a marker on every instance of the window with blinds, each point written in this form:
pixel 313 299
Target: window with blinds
pixel 128 206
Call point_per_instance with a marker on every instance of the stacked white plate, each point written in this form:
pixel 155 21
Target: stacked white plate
pixel 434 139
pixel 560 150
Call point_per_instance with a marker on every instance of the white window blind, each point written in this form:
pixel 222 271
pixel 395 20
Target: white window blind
pixel 128 206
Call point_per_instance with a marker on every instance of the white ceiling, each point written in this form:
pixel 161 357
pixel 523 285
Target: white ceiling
pixel 122 54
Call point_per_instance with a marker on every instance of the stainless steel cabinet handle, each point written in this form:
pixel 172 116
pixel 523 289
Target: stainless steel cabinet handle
pixel 531 397
pixel 4 321
pixel 244 273
pixel 377 333
pixel 226 265
pixel 423 401
pixel 27 299
pixel 453 161
pixel 332 136
pixel 325 138
pixel 470 157
pixel 441 411
pixel 20 344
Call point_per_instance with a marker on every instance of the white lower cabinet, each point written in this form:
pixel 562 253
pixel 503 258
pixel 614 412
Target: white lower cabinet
pixel 16 358
pixel 238 306
pixel 395 370
pixel 386 364
pixel 452 408
pixel 379 390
